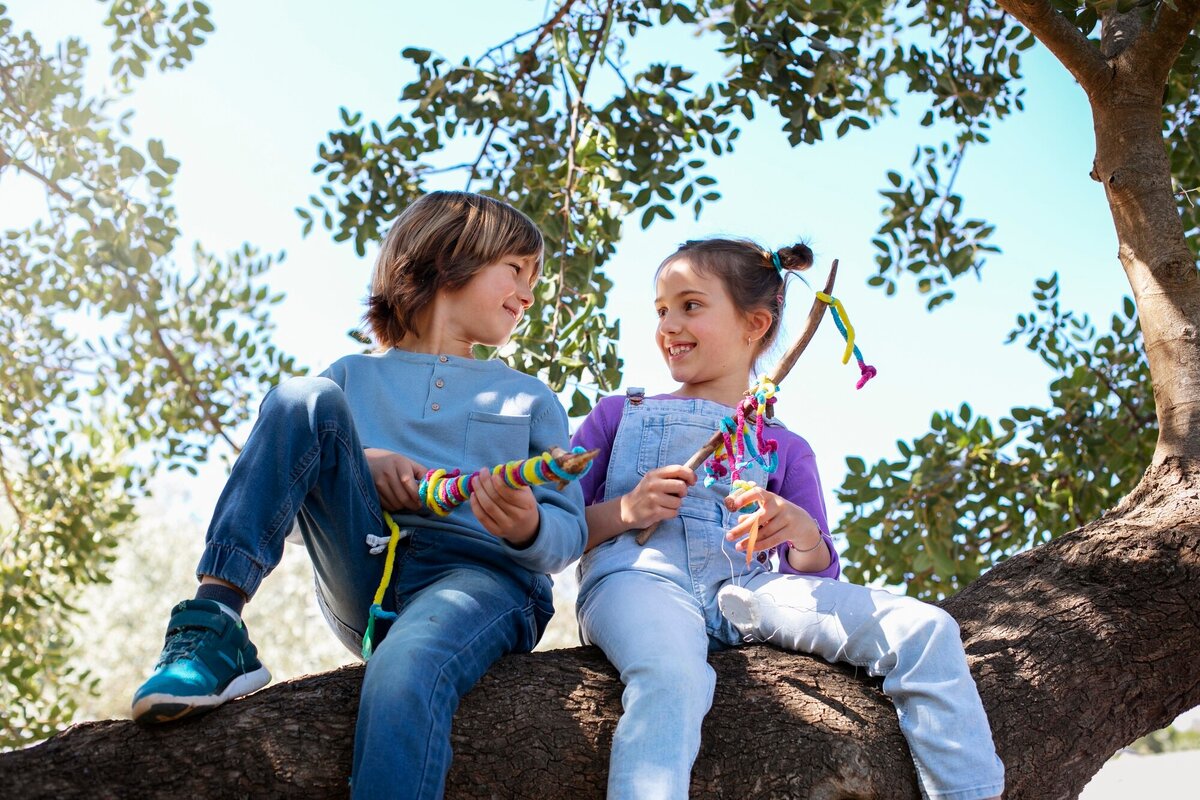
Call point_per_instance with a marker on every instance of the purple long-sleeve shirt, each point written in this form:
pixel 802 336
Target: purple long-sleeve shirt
pixel 795 479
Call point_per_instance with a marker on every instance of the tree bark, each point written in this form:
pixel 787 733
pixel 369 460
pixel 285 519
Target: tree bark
pixel 1078 647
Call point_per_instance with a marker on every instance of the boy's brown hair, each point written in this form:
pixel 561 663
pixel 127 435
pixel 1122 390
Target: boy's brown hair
pixel 439 242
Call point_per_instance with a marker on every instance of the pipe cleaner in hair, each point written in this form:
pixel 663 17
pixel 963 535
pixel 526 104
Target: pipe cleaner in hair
pixel 442 491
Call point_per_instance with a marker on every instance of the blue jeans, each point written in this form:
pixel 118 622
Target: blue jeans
pixel 459 607
pixel 656 613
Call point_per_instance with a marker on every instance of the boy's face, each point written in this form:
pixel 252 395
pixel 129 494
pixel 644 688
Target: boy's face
pixel 488 308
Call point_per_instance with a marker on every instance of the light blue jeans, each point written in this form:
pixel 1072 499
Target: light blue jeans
pixel 656 613
pixel 461 606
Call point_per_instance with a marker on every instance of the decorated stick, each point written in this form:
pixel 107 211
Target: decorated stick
pixel 443 491
pixel 815 314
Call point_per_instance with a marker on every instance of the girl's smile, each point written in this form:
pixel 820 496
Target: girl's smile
pixel 707 343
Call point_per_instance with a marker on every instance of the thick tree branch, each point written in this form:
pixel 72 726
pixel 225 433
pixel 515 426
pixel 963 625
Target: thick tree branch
pixel 1157 50
pixel 1068 44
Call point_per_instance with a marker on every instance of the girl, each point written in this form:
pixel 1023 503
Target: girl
pixel 658 610
pixel 336 451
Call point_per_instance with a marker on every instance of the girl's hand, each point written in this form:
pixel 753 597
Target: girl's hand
pixel 396 478
pixel 658 496
pixel 511 514
pixel 779 521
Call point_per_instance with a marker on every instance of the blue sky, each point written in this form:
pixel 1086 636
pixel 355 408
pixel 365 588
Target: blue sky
pixel 245 120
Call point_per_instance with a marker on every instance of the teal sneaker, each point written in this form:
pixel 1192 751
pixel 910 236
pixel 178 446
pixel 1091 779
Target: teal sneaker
pixel 208 658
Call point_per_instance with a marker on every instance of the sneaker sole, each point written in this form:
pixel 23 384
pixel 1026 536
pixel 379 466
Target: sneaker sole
pixel 159 708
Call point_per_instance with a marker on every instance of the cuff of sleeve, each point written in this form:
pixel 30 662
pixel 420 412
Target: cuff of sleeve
pixel 832 571
pixel 536 551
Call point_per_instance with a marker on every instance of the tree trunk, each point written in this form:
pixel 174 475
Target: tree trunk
pixel 1079 647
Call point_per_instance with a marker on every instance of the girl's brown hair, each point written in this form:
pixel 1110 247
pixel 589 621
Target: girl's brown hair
pixel 748 272
pixel 439 242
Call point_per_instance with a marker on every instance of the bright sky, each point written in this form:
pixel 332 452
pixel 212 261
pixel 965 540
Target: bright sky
pixel 245 120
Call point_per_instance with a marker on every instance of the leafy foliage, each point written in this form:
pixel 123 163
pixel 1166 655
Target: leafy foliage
pixel 116 361
pixel 972 491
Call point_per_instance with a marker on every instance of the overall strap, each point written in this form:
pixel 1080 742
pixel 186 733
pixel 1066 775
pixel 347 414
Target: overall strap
pixel 635 395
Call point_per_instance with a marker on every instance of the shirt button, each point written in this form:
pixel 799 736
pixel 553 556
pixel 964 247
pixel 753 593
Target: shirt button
pixel 439 383
pixel 436 407
pixel 443 359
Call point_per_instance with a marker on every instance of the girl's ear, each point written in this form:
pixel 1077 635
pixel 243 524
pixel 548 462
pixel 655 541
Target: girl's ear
pixel 758 322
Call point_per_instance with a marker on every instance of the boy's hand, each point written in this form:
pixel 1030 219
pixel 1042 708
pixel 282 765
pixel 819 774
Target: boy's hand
pixel 658 496
pixel 396 478
pixel 511 514
pixel 779 521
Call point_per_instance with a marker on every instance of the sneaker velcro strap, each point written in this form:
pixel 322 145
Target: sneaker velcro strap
pixel 217 623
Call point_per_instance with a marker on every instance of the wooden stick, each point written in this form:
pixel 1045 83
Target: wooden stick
pixel 815 315
pixel 573 463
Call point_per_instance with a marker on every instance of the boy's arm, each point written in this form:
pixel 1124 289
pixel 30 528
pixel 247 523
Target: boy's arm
pixel 562 527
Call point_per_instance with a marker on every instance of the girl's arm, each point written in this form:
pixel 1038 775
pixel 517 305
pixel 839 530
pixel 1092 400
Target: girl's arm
pixel 798 483
pixel 658 496
pixel 781 522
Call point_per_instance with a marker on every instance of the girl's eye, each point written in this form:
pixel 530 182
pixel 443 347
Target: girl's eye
pixel 690 305
pixel 660 312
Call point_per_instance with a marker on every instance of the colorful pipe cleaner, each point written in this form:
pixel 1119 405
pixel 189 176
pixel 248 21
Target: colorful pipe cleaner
pixel 737 448
pixel 842 320
pixel 442 492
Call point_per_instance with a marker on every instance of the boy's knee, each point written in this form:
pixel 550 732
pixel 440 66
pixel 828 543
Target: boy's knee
pixel 307 395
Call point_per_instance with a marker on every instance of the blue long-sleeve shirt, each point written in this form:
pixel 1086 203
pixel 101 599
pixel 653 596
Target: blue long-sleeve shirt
pixel 460 413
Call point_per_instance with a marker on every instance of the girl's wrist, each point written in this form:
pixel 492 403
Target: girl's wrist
pixel 795 547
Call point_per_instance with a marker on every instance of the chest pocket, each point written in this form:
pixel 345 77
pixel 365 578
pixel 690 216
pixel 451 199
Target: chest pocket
pixel 671 439
pixel 494 439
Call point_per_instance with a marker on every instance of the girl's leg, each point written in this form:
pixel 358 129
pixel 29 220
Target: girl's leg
pixel 654 634
pixel 913 645
pixel 447 635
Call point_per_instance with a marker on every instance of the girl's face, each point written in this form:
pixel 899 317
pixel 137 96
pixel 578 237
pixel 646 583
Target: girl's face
pixel 708 343
pixel 487 309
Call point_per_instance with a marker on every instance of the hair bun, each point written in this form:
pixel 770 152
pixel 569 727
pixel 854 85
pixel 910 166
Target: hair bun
pixel 797 256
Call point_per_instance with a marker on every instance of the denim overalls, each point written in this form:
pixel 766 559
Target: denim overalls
pixel 690 550
pixel 656 612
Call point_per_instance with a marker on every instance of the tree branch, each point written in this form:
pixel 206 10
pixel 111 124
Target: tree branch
pixel 1068 44
pixel 1157 50
pixel 598 44
pixel 11 496
pixel 182 374
pixel 7 158
pixel 525 63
